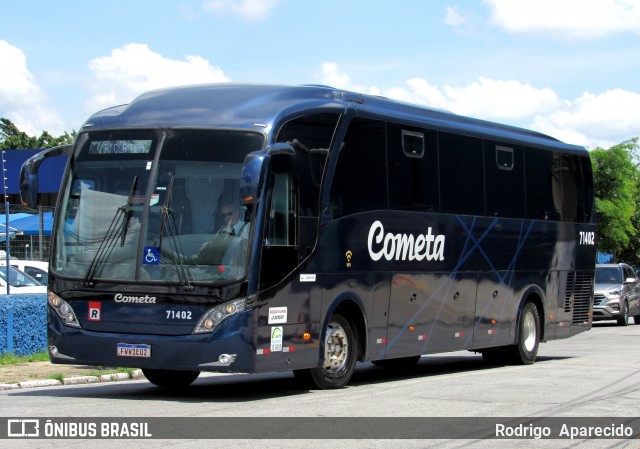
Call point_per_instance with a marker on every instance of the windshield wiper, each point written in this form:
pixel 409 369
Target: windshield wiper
pixel 168 220
pixel 117 230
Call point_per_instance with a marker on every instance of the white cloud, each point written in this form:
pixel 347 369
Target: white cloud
pixel 21 99
pixel 135 69
pixel 498 99
pixel 453 17
pixel 591 120
pixel 574 18
pixel 246 9
pixel 594 120
pixel 335 78
pixel 332 76
pixel 486 98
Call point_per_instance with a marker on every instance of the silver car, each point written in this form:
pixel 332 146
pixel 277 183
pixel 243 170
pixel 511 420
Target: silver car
pixel 616 294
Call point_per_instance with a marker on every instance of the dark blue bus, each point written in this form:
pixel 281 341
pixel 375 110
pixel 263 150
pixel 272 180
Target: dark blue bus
pixel 255 228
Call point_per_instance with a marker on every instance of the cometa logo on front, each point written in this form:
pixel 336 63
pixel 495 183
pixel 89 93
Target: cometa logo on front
pixel 404 246
pixel 146 299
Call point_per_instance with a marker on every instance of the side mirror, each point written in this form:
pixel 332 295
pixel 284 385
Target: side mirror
pixel 29 173
pixel 281 148
pixel 252 177
pixel 254 171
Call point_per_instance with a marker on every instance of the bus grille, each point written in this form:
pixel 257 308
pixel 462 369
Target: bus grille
pixel 581 284
pixel 569 291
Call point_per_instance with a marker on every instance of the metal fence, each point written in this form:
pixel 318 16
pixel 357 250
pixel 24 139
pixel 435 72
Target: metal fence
pixel 30 247
pixel 28 244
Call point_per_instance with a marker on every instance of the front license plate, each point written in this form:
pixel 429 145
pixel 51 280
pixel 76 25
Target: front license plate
pixel 131 350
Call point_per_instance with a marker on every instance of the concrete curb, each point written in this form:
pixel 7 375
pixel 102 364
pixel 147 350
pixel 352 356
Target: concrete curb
pixel 79 380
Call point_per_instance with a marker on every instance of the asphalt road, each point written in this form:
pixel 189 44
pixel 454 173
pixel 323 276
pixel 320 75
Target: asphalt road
pixel 595 374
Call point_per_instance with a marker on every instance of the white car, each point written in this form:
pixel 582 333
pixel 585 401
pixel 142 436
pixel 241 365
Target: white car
pixel 19 282
pixel 34 268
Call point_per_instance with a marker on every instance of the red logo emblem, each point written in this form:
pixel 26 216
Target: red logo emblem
pixel 95 311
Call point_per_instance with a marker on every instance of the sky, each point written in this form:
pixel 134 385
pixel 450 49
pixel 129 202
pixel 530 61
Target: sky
pixel 567 68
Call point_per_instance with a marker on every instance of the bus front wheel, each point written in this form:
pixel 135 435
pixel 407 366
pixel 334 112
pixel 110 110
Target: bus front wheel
pixel 338 358
pixel 170 378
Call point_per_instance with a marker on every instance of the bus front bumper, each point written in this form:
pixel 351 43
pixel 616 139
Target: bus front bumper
pixel 226 349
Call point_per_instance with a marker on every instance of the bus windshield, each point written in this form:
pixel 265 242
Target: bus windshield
pixel 124 218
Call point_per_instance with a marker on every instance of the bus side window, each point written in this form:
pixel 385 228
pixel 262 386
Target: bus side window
pixel 543 180
pixel 360 178
pixel 461 174
pixel 282 223
pixel 569 185
pixel 280 250
pixel 413 168
pixel 504 165
pixel 585 190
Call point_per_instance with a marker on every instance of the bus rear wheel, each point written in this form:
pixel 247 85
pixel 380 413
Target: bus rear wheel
pixel 339 356
pixel 525 351
pixel 170 378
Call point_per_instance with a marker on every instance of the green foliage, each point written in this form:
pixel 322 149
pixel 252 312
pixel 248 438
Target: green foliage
pixel 11 138
pixel 617 191
pixel 12 359
pixel 102 370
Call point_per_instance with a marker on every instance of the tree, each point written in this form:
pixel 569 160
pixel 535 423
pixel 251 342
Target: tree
pixel 617 187
pixel 11 138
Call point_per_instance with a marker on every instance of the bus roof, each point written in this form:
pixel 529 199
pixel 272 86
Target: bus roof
pixel 261 106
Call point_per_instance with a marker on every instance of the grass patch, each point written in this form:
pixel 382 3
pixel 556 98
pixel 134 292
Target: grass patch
pixel 12 359
pixel 56 376
pixel 101 370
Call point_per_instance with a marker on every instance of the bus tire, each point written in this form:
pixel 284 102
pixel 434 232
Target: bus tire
pixel 338 358
pixel 170 378
pixel 525 351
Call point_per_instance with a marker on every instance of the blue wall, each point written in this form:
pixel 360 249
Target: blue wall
pixel 49 174
pixel 23 324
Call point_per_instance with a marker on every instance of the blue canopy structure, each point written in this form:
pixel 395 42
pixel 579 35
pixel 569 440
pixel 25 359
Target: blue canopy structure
pixel 25 224
pixel 29 224
pixel 3 232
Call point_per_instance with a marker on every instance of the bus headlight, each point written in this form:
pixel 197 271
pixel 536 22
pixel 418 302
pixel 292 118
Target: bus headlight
pixel 214 316
pixel 63 309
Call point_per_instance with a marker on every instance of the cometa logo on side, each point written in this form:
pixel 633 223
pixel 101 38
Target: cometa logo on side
pixel 399 246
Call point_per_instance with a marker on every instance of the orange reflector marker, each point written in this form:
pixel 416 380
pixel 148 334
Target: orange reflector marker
pixel 493 322
pixel 306 336
pixel 248 198
pixel 551 317
pixel 412 328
